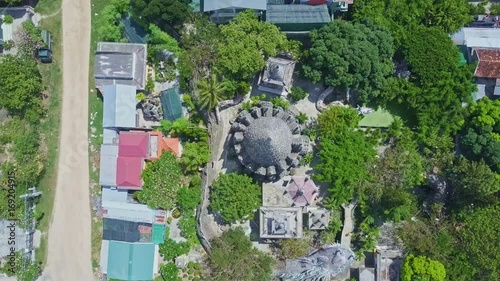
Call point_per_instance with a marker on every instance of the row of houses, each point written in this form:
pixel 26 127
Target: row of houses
pixel 291 16
pixel 482 45
pixel 131 231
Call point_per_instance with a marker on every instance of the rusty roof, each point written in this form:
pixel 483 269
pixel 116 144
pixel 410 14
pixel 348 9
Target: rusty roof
pixel 489 63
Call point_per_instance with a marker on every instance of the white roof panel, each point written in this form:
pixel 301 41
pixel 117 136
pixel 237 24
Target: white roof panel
pixel 127 211
pixel 213 5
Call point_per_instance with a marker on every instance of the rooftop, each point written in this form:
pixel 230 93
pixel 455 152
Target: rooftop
pixel 171 104
pixel 128 172
pixel 120 63
pixel 119 106
pixel 134 144
pixel 212 5
pixel 319 218
pixel 127 231
pixel 128 212
pixel 277 76
pixel 280 222
pixel 489 63
pixel 302 191
pixel 475 37
pixel 107 171
pixel 128 261
pixel 281 14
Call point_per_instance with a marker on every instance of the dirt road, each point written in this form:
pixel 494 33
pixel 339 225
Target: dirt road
pixel 69 253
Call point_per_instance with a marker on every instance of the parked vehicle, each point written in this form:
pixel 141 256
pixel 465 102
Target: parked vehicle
pixel 44 54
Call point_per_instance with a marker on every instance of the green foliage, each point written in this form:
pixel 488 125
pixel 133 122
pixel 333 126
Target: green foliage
pixel 29 39
pixel 307 159
pixel 210 92
pixel 479 8
pixel 8 19
pixel 293 248
pixel 150 84
pixel 29 273
pixel 235 197
pixel 188 102
pixel 169 272
pixel 481 145
pixel 20 88
pixel 7 45
pixel 245 44
pixel 345 154
pixel 162 180
pixel 234 88
pixel 194 155
pixel 187 225
pixel 170 249
pixel 164 13
pixel 297 94
pixel 184 129
pixel 485 112
pixel 351 56
pixel 109 26
pixel 159 40
pixel 188 198
pixel 495 9
pixel 254 101
pixel 474 182
pixel 279 102
pixel 302 118
pixel 234 258
pixel 140 97
pixel 422 268
pixel 430 53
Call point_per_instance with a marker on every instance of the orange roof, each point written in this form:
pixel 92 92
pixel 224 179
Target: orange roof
pixel 165 144
pixel 489 63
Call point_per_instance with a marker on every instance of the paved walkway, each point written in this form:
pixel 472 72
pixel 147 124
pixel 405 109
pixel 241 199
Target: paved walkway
pixel 69 250
pixel 345 241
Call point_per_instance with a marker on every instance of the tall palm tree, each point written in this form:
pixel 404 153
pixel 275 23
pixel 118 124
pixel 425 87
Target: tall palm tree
pixel 210 92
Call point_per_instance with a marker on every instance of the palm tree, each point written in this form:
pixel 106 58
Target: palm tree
pixel 210 92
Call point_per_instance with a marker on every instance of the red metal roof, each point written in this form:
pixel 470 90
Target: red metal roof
pixel 128 172
pixel 302 190
pixel 489 63
pixel 133 144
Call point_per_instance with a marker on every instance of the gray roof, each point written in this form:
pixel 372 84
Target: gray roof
pixel 115 195
pixel 109 136
pixel 476 37
pixel 280 222
pixel 107 171
pixel 119 106
pixel 212 5
pixel 263 140
pixel 128 211
pixel 297 14
pixel 318 218
pixel 366 274
pixel 120 63
pixel 277 76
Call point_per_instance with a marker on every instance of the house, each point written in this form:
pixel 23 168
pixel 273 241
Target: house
pixel 277 76
pixel 469 38
pixel 276 222
pixel 120 107
pixel 129 261
pixel 487 71
pixel 318 218
pixel 120 63
pixel 223 11
pixel 298 18
pixel 8 30
pixel 123 156
pixel 171 104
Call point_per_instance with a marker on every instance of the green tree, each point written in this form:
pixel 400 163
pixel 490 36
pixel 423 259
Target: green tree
pixel 235 197
pixel 188 198
pixel 422 268
pixel 351 56
pixel 159 40
pixel 478 8
pixel 162 180
pixel 29 38
pixel 485 112
pixel 234 258
pixel 297 94
pixel 170 249
pixel 245 44
pixel 109 26
pixel 495 9
pixel 210 92
pixel 481 145
pixel 20 88
pixel 194 155
pixel 293 248
pixel 169 272
pixel 473 181
pixel 164 13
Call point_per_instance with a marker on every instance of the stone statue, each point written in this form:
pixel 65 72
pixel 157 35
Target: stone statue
pixel 329 261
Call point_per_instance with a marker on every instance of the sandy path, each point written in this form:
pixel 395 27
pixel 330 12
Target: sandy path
pixel 69 250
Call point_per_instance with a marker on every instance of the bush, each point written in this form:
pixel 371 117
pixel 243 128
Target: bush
pixel 7 45
pixel 8 19
pixel 169 272
pixel 187 225
pixel 170 249
pixel 307 159
pixel 176 213
pixel 150 84
pixel 279 102
pixel 495 9
pixel 188 198
pixel 293 248
pixel 297 94
pixel 302 118
pixel 140 97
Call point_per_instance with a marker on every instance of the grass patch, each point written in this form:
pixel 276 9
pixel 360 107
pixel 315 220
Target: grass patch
pixel 52 80
pixel 95 131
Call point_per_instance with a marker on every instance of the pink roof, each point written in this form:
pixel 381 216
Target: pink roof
pixel 128 172
pixel 133 145
pixel 302 190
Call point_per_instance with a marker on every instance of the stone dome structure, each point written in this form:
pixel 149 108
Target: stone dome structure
pixel 267 141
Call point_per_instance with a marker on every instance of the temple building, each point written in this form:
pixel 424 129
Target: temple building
pixel 280 223
pixel 268 142
pixel 277 76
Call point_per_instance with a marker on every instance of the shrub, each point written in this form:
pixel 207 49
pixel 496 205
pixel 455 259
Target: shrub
pixel 297 94
pixel 307 159
pixel 8 19
pixel 176 213
pixel 7 45
pixel 187 225
pixel 188 198
pixel 302 118
pixel 140 97
pixel 150 84
pixel 170 249
pixel 169 272
pixel 279 102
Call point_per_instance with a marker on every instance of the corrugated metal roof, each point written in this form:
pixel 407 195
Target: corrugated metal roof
pixel 104 255
pixel 107 172
pixel 279 14
pixel 109 136
pixel 127 211
pixel 212 5
pixel 115 195
pixel 119 106
pixel 130 261
pixel 474 37
pixel 171 104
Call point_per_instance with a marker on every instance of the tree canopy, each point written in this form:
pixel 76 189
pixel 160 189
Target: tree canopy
pixel 234 258
pixel 422 268
pixel 235 196
pixel 166 14
pixel 351 55
pixel 162 180
pixel 245 44
pixel 20 88
pixel 194 155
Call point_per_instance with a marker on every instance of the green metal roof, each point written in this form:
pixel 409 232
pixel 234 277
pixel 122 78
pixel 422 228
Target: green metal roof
pixel 281 14
pixel 171 104
pixel 130 261
pixel 158 233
